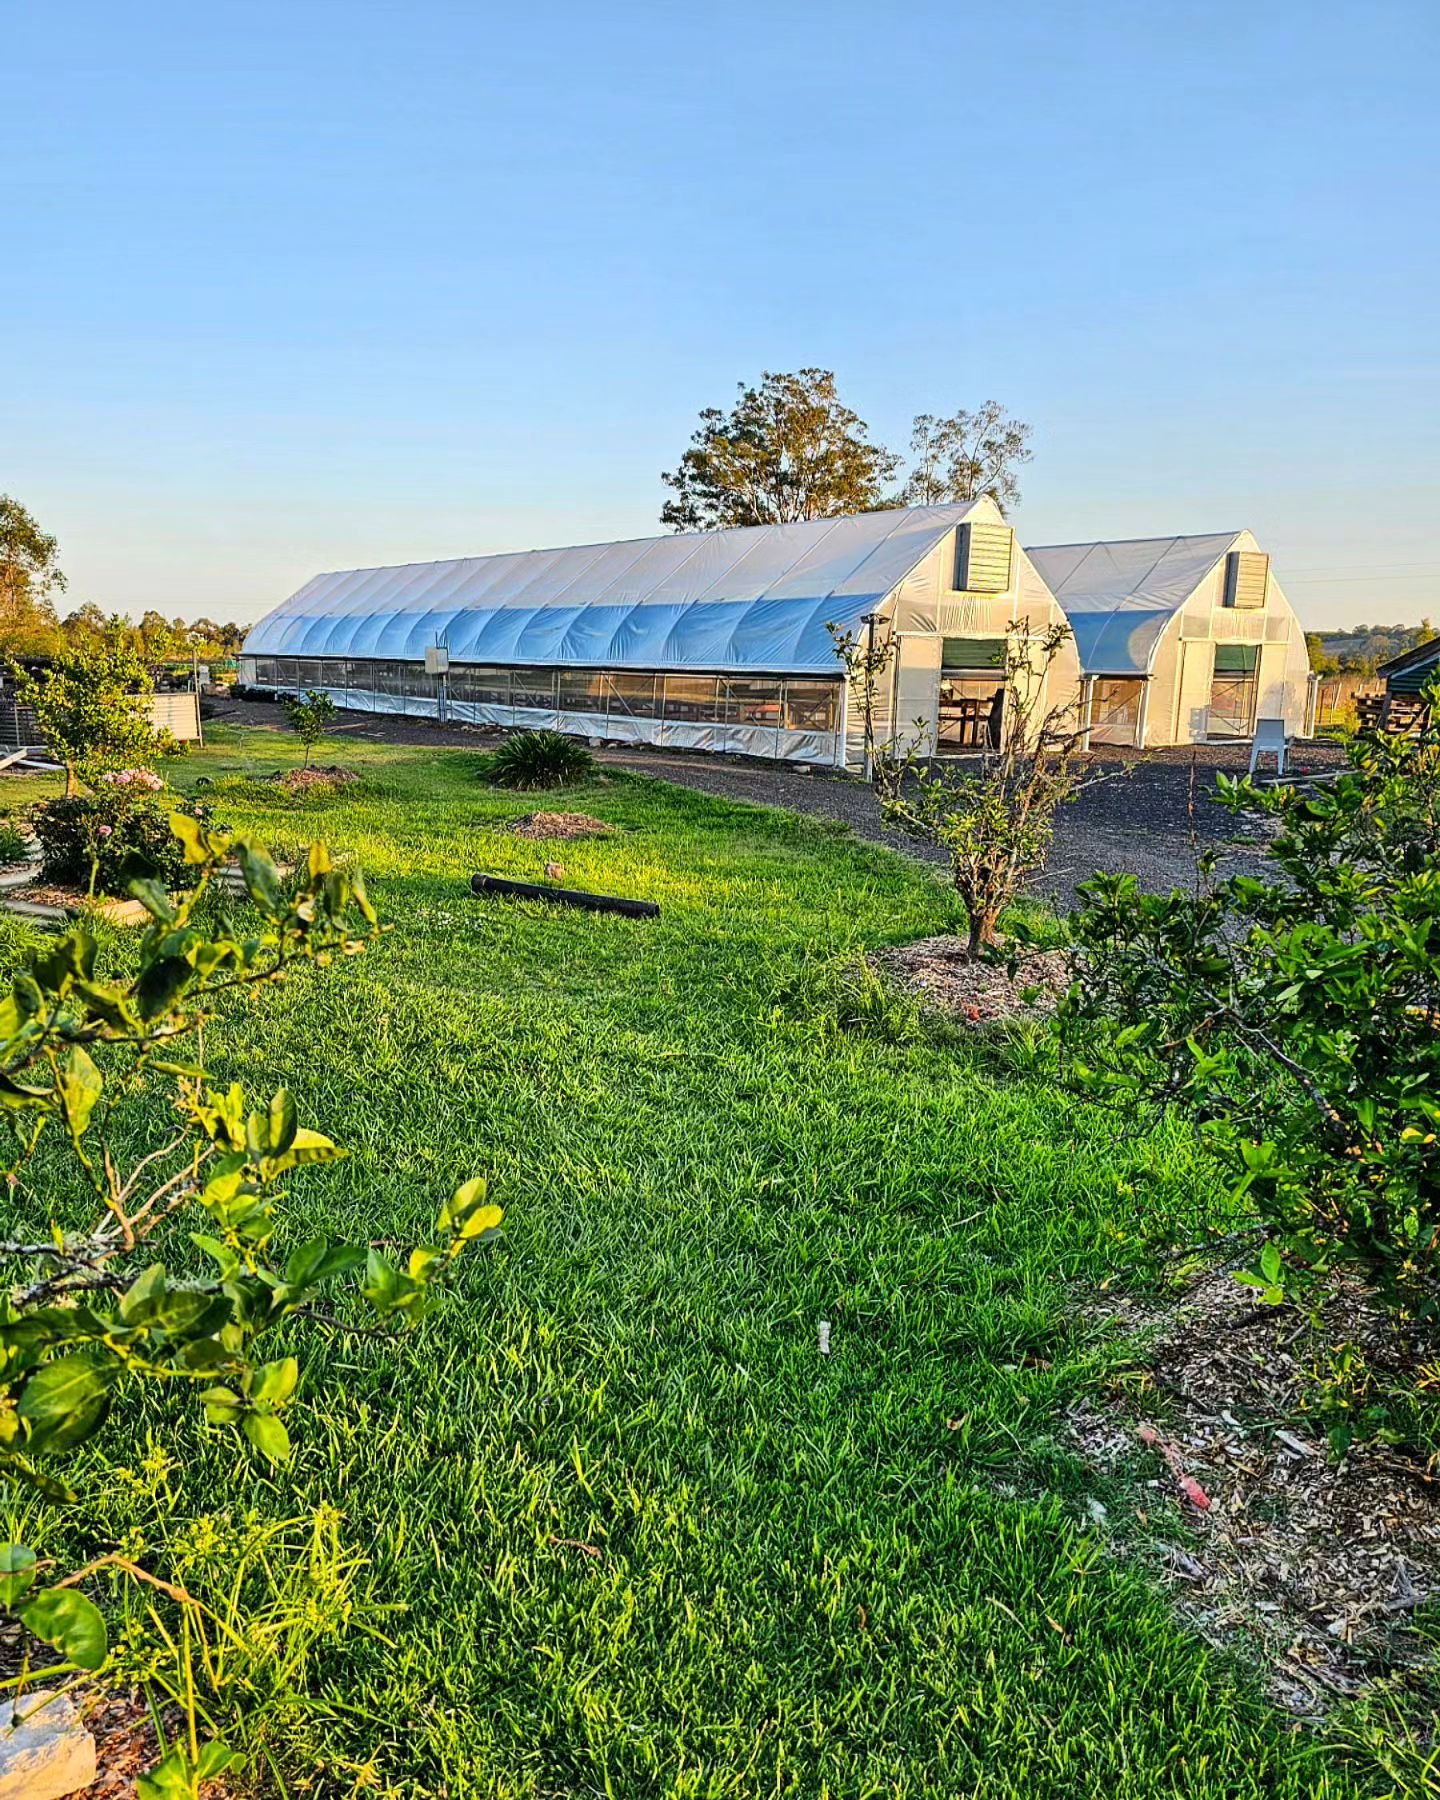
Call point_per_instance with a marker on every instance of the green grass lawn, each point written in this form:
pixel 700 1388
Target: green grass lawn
pixel 628 1533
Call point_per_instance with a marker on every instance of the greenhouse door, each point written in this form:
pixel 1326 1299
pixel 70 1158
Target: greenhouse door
pixel 1233 690
pixel 1115 708
pixel 972 695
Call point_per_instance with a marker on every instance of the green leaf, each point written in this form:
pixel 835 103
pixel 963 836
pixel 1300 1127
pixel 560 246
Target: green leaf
pixel 362 899
pixel 40 1481
pixel 172 1778
pixel 160 985
pixel 262 879
pixel 143 1295
pixel 271 1133
pixel 72 959
pixel 17 1573
pixel 108 1004
pixel 177 1777
pixel 422 1259
pixel 215 1758
pixel 153 898
pixel 192 835
pixel 64 1400
pixel 19 1093
pixel 222 1406
pixel 283 1122
pixel 465 1215
pixel 71 1623
pixel 268 1436
pixel 382 1281
pixel 81 1085
pixel 274 1384
pixel 476 1224
pixel 313 1147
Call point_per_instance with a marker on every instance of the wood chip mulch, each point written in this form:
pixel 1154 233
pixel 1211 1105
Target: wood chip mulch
pixel 297 781
pixel 560 825
pixel 45 894
pixel 1313 1563
pixel 975 993
pixel 126 1746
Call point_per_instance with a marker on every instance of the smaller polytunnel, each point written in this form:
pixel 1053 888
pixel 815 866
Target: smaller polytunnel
pixel 1119 597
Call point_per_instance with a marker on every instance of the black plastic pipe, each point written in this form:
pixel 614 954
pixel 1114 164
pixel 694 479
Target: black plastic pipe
pixel 558 896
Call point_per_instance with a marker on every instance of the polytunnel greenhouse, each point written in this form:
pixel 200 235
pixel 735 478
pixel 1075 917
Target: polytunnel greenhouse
pixel 717 641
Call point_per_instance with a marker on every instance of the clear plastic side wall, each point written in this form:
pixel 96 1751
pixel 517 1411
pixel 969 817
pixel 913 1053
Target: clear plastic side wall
pixel 812 747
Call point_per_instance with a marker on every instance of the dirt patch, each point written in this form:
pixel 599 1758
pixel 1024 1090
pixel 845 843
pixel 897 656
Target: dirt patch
pixel 975 993
pixel 560 825
pixel 125 1745
pixel 43 894
pixel 1314 1563
pixel 301 781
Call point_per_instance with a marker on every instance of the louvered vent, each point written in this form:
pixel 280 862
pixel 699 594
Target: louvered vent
pixel 1247 578
pixel 983 555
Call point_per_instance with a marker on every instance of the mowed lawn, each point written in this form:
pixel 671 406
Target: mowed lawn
pixel 629 1533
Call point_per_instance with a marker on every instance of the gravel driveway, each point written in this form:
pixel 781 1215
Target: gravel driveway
pixel 1146 820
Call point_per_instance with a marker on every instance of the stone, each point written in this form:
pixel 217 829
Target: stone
pixel 49 1753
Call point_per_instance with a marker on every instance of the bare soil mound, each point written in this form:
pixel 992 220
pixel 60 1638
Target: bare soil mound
pixel 975 993
pixel 560 825
pixel 300 781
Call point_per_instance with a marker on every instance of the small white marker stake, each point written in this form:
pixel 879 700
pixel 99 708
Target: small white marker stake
pixel 824 1337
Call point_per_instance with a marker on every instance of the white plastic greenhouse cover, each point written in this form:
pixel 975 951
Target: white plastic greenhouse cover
pixel 753 598
pixel 1119 597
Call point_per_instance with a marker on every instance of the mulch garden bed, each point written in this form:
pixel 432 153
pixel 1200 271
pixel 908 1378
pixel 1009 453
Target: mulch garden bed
pixel 44 900
pixel 1314 1564
pixel 975 993
pixel 299 781
pixel 560 825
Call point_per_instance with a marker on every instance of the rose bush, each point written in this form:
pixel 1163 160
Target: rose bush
pixel 101 842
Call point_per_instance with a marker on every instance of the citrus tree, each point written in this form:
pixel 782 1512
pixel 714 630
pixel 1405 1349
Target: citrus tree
pixel 90 709
pixel 169 1269
pixel 309 717
pixel 1296 1012
pixel 993 814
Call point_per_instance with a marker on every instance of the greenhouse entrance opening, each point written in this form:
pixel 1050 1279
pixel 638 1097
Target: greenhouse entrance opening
pixel 1113 716
pixel 1233 691
pixel 972 695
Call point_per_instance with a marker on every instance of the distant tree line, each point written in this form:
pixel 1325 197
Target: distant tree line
pixel 31 624
pixel 1362 649
pixel 791 449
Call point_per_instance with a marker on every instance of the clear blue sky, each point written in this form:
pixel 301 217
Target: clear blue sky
pixel 304 286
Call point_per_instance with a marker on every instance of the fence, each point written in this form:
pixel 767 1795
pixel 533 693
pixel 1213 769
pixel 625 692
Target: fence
pixel 179 714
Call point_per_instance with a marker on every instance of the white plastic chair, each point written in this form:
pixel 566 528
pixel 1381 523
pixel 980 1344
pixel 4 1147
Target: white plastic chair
pixel 1270 740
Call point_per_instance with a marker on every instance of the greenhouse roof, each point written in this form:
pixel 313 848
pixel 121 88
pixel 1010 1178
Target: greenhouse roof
pixel 758 597
pixel 1119 597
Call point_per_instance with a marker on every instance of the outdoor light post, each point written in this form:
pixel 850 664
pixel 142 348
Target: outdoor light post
pixel 869 621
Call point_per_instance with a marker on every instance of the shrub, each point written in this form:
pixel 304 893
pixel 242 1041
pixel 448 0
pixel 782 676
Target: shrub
pixel 309 717
pixel 1298 1015
pixel 93 1310
pixel 995 816
pixel 90 710
pixel 101 842
pixel 539 759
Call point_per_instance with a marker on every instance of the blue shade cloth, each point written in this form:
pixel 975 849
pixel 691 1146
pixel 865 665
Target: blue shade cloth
pixel 1119 597
pixel 754 598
